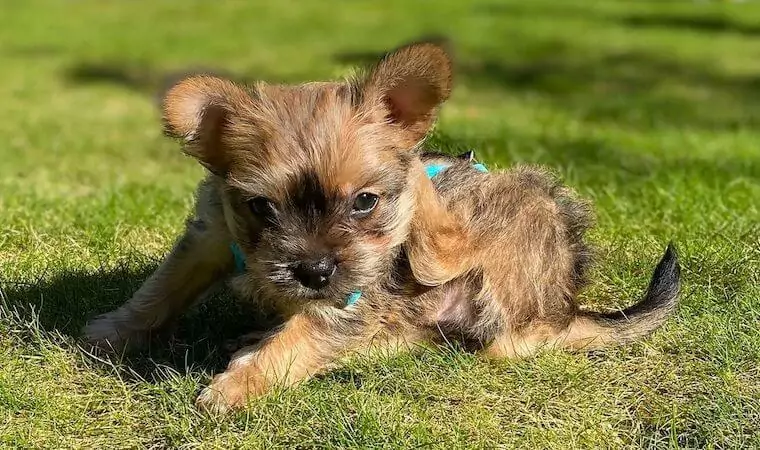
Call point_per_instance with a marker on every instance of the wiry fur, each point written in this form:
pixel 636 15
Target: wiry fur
pixel 494 260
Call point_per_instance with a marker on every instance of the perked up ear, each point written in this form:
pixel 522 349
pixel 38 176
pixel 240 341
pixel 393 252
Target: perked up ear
pixel 408 85
pixel 196 110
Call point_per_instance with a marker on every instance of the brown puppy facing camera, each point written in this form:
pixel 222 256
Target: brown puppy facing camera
pixel 319 203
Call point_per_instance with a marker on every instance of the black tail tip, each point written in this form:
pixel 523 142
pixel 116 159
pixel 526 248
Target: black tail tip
pixel 669 260
pixel 666 280
pixel 671 249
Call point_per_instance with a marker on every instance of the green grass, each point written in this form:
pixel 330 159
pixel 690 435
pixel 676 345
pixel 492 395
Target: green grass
pixel 651 109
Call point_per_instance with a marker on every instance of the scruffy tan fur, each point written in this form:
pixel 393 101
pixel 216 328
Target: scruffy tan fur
pixel 494 260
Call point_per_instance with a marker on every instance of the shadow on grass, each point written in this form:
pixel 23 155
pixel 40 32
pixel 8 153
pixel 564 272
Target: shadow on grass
pixel 65 303
pixel 629 87
pixel 632 87
pixel 154 81
pixel 698 23
pixel 139 78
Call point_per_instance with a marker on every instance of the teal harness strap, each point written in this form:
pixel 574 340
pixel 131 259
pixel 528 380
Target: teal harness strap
pixel 237 254
pixel 353 298
pixel 432 170
pixel 480 167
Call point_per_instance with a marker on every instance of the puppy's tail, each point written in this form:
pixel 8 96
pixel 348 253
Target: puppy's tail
pixel 594 330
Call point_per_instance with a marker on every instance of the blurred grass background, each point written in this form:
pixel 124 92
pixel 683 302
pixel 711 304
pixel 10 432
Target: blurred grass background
pixel 648 108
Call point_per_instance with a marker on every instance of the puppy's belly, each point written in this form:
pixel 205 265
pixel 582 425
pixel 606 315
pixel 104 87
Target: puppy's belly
pixel 460 311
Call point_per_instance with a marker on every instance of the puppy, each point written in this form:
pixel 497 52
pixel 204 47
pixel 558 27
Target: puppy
pixel 321 197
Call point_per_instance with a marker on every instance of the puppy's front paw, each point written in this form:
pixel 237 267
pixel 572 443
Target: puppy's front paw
pixel 229 391
pixel 111 332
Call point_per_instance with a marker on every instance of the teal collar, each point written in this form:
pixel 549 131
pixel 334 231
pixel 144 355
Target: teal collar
pixel 432 171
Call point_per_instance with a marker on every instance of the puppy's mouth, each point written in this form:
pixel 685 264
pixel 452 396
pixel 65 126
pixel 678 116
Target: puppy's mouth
pixel 297 291
pixel 282 277
pixel 312 294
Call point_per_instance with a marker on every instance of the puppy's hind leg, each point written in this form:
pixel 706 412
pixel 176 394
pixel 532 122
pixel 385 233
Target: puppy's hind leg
pixel 588 330
pixel 199 258
pixel 526 342
pixel 438 246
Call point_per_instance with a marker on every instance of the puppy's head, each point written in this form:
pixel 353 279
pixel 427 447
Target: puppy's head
pixel 316 178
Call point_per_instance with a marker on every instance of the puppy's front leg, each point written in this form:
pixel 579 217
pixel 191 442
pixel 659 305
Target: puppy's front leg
pixel 304 346
pixel 301 348
pixel 200 257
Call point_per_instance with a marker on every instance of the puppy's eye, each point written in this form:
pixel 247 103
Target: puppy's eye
pixel 364 204
pixel 261 207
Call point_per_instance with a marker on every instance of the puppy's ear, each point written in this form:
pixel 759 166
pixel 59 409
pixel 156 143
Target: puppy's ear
pixel 407 86
pixel 197 110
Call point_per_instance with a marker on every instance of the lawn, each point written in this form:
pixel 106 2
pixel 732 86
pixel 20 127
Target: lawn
pixel 650 109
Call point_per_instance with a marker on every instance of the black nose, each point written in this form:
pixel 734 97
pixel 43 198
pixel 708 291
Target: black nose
pixel 315 274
